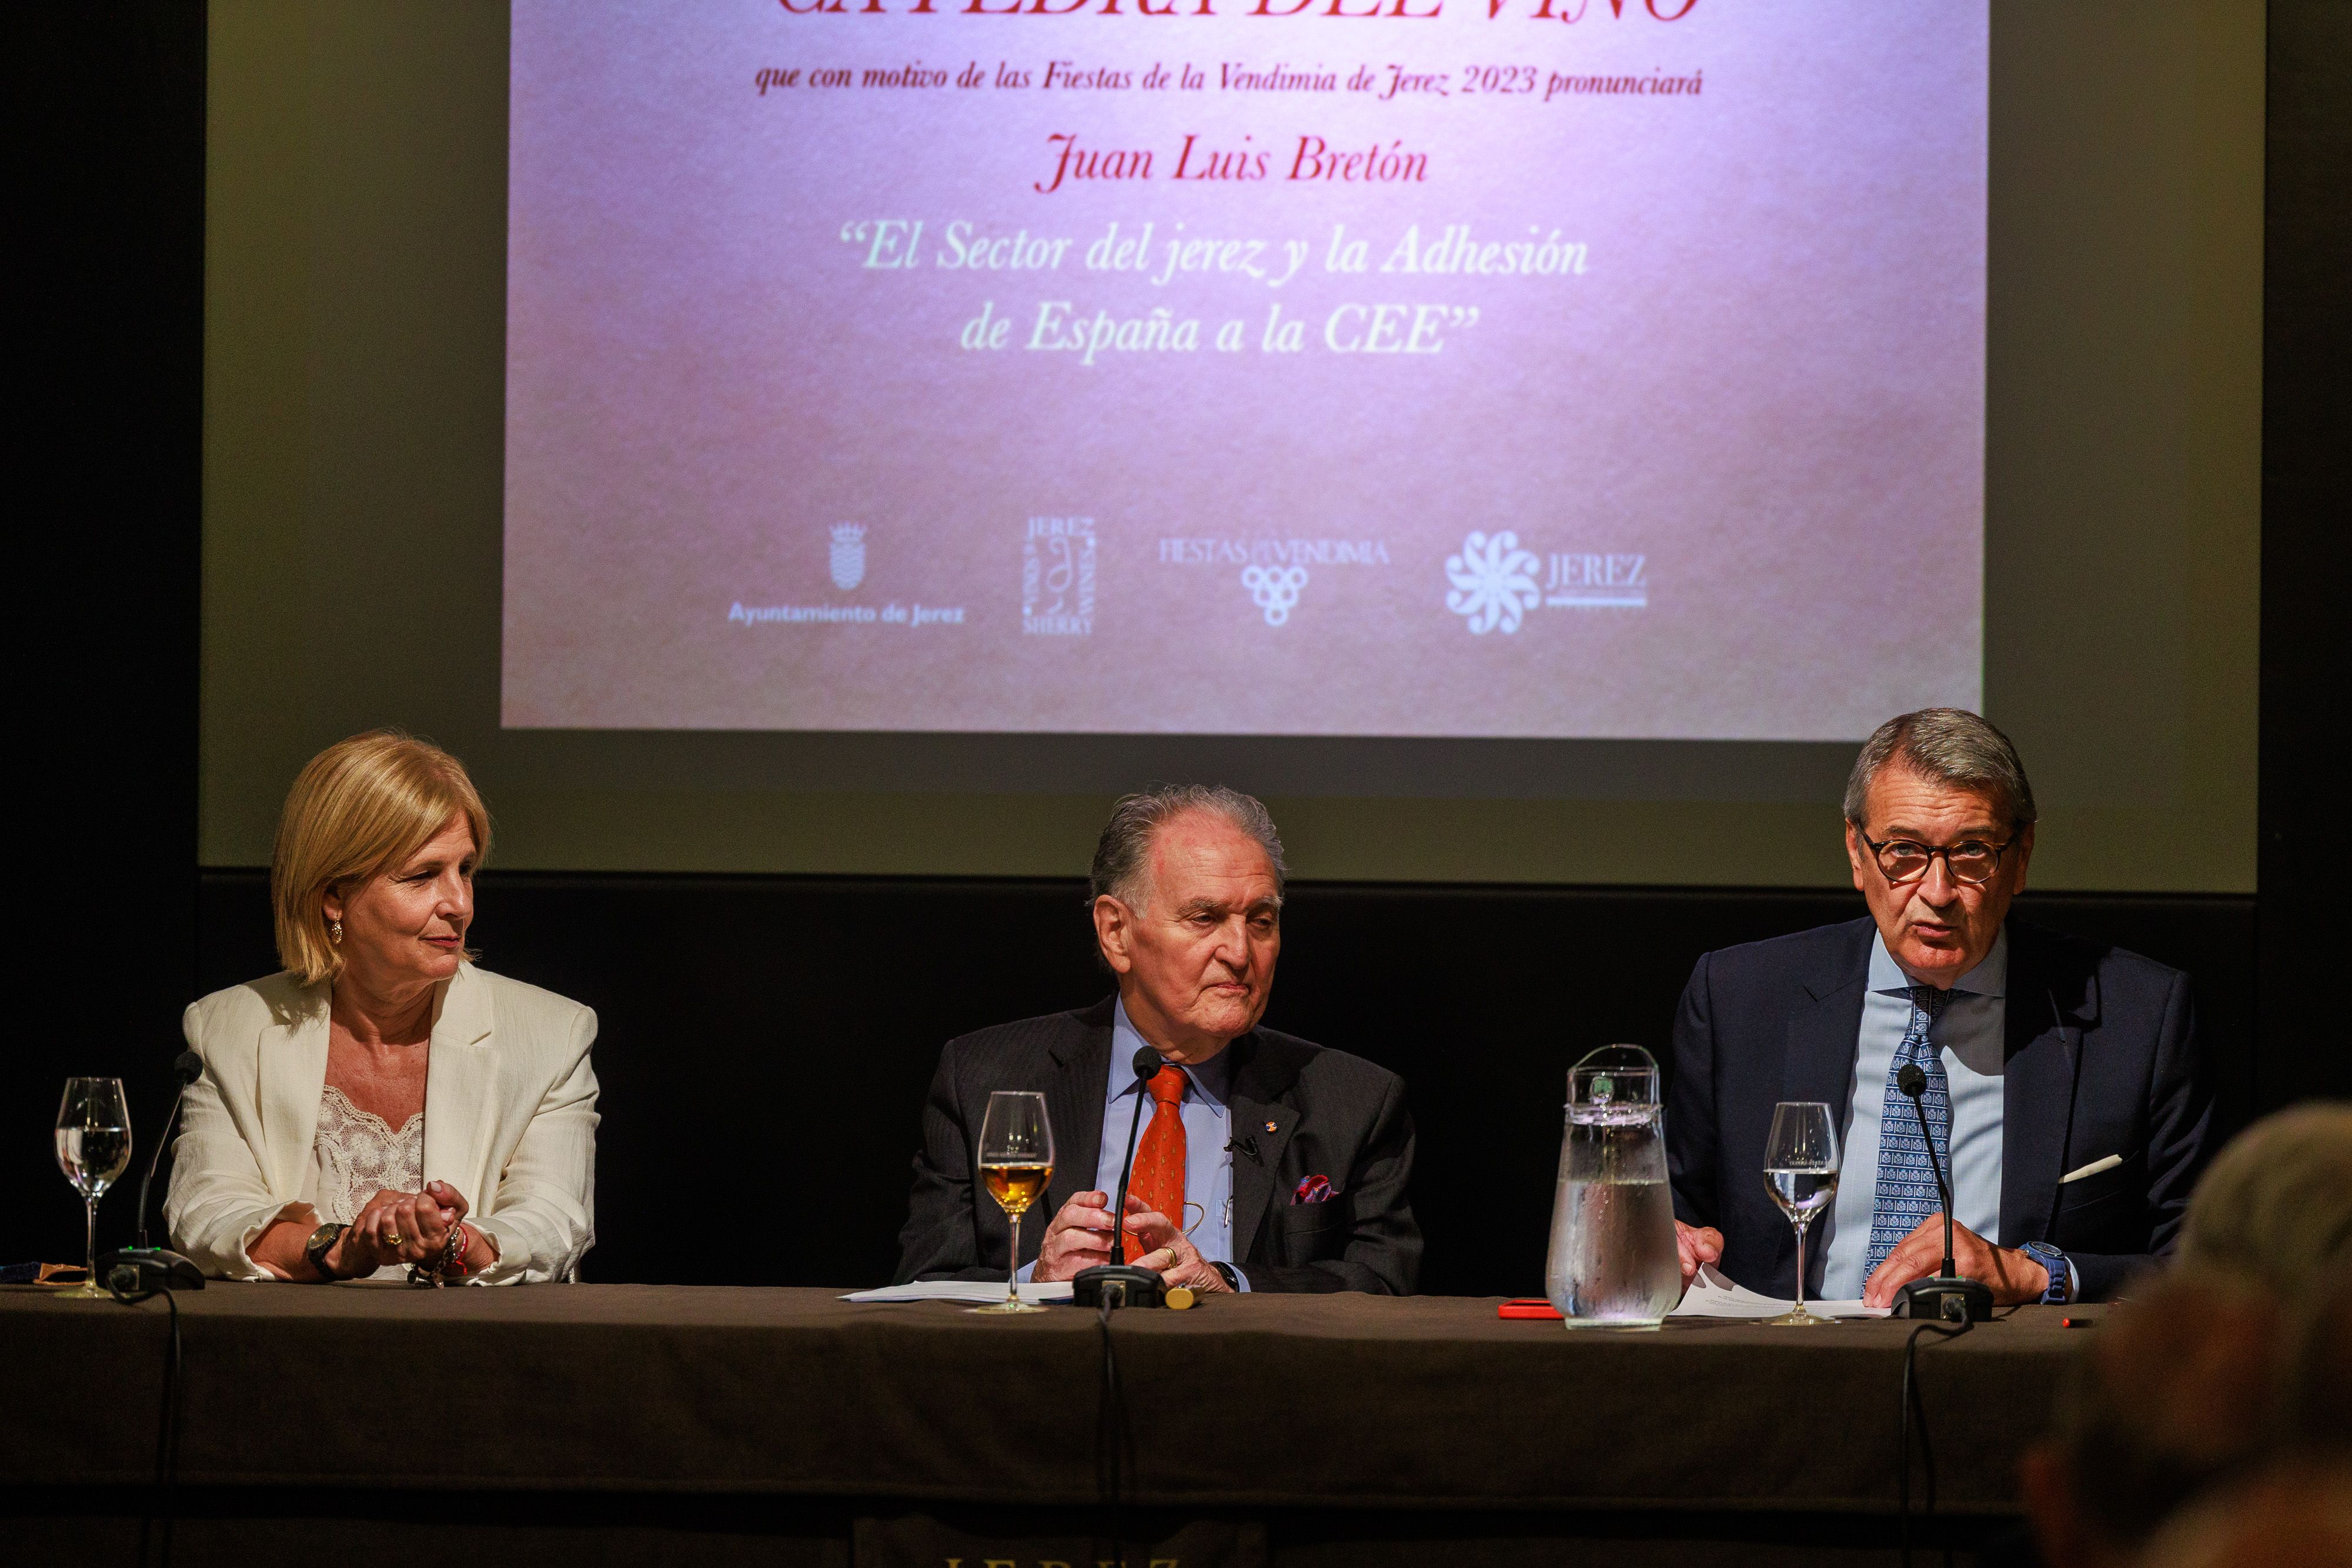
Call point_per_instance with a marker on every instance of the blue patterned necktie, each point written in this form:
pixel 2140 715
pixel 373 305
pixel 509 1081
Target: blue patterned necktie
pixel 1907 1185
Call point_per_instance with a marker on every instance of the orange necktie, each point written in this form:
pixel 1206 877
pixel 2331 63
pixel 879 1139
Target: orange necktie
pixel 1159 1174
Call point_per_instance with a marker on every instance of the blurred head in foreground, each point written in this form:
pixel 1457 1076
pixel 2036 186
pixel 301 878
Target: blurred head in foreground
pixel 2273 1217
pixel 2276 1204
pixel 2172 1395
pixel 2299 1516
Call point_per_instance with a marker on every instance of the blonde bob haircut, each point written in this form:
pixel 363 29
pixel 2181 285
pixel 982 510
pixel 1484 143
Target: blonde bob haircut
pixel 359 808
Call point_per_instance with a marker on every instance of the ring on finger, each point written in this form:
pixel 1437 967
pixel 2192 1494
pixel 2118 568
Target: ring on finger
pixel 392 1239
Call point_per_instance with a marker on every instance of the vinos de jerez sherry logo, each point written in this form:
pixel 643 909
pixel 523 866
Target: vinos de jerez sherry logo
pixel 1496 582
pixel 1058 577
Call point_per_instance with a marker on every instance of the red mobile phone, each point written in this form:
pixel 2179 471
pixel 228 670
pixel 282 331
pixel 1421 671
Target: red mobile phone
pixel 1529 1307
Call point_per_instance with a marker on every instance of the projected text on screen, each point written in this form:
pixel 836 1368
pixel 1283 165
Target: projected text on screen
pixel 1509 367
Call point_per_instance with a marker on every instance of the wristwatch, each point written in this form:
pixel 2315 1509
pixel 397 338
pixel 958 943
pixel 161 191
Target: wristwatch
pixel 322 1242
pixel 2062 1272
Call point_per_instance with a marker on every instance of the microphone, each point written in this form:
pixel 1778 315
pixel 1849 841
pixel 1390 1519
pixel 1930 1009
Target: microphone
pixel 135 1272
pixel 187 1067
pixel 1946 1296
pixel 1109 1285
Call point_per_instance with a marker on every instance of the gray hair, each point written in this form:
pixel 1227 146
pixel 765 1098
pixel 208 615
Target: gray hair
pixel 1947 745
pixel 1122 867
pixel 2275 1206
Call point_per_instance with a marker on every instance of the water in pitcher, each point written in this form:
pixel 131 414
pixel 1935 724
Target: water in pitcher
pixel 1613 1262
pixel 1608 1270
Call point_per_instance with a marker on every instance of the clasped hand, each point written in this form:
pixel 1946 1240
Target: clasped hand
pixel 1082 1236
pixel 399 1227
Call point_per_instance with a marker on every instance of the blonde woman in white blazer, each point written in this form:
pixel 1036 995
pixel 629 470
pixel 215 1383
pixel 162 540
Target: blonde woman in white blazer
pixel 383 1108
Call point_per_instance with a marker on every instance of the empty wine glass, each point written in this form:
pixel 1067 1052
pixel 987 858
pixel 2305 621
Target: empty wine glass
pixel 1800 1168
pixel 1017 1160
pixel 93 1147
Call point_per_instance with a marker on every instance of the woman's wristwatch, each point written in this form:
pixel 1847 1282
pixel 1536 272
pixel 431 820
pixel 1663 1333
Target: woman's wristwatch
pixel 322 1242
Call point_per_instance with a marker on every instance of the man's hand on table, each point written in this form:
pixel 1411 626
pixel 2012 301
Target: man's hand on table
pixel 1080 1237
pixel 2014 1277
pixel 1171 1254
pixel 1697 1245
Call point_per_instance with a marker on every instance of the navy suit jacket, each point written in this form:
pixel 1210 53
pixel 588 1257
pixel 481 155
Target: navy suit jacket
pixel 1300 1110
pixel 2102 1059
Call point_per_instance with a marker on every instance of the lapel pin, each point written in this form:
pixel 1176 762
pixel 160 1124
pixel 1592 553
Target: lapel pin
pixel 1269 1127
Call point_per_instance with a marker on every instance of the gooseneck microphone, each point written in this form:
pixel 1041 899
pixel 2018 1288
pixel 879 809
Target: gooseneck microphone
pixel 1946 1296
pixel 1147 1066
pixel 134 1273
pixel 187 1067
pixel 1124 1284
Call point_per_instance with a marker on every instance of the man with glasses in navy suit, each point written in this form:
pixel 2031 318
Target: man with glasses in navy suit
pixel 2064 1092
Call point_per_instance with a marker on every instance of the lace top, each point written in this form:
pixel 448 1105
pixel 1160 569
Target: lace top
pixel 357 1154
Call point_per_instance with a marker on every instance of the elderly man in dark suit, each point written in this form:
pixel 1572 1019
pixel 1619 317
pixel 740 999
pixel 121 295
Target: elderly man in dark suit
pixel 2064 1089
pixel 1265 1163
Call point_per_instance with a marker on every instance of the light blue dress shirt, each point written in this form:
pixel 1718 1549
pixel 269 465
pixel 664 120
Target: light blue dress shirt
pixel 1969 1037
pixel 1208 1218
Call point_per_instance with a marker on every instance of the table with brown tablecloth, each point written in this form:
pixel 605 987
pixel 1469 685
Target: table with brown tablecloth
pixel 643 1424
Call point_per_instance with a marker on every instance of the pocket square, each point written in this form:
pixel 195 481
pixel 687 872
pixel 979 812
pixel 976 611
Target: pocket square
pixel 2093 1168
pixel 1312 1190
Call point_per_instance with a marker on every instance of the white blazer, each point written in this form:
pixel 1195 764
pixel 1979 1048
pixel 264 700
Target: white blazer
pixel 510 1119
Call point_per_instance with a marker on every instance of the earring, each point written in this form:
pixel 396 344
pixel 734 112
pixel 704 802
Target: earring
pixel 335 932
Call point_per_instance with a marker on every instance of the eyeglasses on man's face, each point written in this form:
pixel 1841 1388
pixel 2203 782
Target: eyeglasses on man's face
pixel 1971 861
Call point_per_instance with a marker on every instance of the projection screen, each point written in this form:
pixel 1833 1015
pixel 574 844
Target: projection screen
pixel 1540 369
pixel 534 347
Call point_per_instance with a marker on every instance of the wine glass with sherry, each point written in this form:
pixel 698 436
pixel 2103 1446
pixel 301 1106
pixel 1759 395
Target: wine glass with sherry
pixel 93 1148
pixel 1016 1161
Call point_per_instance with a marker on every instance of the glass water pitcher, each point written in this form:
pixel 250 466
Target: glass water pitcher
pixel 1612 1261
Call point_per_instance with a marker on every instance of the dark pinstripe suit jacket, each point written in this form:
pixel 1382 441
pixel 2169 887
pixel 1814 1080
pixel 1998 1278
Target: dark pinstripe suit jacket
pixel 1332 1116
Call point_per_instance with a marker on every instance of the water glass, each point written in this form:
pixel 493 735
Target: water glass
pixel 1800 1169
pixel 93 1148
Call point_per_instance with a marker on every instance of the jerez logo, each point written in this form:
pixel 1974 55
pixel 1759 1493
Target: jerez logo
pixel 847 558
pixel 1494 582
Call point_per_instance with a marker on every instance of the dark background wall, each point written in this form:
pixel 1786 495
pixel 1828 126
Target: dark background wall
pixel 756 1029
pixel 102 571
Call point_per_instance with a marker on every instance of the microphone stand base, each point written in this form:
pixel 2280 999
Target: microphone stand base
pixel 1118 1285
pixel 143 1270
pixel 1944 1299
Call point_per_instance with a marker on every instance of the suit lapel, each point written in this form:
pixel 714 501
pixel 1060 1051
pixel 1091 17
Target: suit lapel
pixel 1074 1100
pixel 1261 1125
pixel 460 1080
pixel 2049 1002
pixel 1825 1031
pixel 293 1076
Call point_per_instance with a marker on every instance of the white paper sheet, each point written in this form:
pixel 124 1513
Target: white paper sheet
pixel 1713 1295
pixel 978 1292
